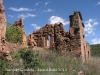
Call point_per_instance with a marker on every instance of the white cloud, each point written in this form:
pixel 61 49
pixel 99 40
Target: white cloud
pixel 12 16
pixel 95 23
pixel 46 3
pixel 49 10
pixel 21 9
pixel 37 4
pixel 25 15
pixel 56 19
pixel 96 41
pixel 90 26
pixel 98 3
pixel 35 26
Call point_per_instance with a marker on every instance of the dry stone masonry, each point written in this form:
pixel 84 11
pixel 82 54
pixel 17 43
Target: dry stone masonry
pixel 60 40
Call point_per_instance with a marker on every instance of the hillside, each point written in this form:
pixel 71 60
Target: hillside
pixel 95 50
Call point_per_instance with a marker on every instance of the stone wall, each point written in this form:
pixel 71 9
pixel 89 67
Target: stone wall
pixel 41 36
pixel 4 54
pixel 60 40
pixel 76 32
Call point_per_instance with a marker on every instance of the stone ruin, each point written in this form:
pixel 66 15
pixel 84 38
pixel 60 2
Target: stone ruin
pixel 19 24
pixel 60 40
pixel 4 54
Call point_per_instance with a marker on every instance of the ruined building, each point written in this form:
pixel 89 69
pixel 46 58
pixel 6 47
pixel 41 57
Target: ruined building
pixel 60 40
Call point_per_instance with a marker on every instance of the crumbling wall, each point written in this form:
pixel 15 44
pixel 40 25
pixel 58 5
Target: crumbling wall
pixel 54 31
pixel 31 42
pixel 76 32
pixel 19 24
pixel 4 54
pixel 60 40
pixel 87 51
pixel 42 35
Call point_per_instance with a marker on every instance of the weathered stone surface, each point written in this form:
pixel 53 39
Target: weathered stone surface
pixel 72 41
pixel 4 54
pixel 31 42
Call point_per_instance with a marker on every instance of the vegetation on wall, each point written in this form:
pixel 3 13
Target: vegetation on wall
pixel 14 35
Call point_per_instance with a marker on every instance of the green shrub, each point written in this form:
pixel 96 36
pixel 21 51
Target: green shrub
pixel 14 35
pixel 65 64
pixel 4 65
pixel 29 58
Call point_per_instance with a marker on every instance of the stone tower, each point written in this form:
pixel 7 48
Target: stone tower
pixel 76 31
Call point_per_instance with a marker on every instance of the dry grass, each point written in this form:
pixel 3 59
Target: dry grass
pixel 92 66
pixel 59 63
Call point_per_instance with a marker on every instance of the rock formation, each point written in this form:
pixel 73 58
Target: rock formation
pixel 72 41
pixel 4 54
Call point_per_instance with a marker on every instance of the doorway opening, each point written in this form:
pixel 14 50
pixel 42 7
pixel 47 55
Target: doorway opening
pixel 48 41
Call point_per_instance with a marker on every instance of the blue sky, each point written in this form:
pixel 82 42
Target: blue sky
pixel 38 13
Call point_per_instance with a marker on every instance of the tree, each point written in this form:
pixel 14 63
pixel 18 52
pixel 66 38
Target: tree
pixel 14 35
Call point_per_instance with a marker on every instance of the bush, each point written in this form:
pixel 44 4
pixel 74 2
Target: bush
pixel 14 35
pixel 65 64
pixel 29 58
pixel 4 65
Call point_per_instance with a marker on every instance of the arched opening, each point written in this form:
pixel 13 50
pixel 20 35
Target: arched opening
pixel 48 41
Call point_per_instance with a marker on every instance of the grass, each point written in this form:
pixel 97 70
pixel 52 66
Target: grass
pixel 46 62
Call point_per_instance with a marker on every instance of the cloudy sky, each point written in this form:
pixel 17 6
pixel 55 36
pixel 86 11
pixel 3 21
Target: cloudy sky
pixel 37 13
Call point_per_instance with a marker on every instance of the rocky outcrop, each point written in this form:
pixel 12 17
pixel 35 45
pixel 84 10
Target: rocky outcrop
pixel 4 54
pixel 60 40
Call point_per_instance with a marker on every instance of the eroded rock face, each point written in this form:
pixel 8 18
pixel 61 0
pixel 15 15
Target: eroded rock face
pixel 4 54
pixel 72 41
